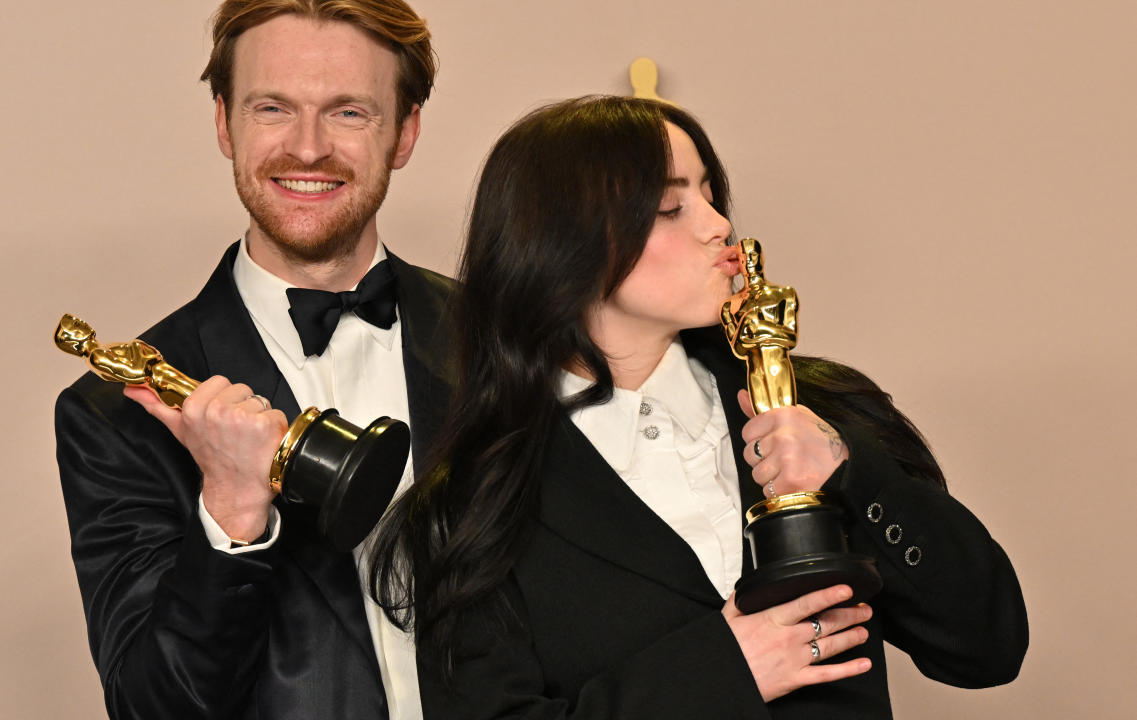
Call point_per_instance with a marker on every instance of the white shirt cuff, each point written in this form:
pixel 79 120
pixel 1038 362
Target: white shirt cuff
pixel 221 541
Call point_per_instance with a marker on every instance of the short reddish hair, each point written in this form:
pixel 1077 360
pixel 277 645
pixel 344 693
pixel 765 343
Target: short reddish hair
pixel 391 22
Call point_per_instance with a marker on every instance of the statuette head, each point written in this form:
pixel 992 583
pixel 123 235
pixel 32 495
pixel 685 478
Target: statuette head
pixel 74 336
pixel 752 261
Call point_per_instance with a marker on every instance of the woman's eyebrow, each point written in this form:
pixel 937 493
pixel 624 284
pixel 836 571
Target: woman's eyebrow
pixel 684 182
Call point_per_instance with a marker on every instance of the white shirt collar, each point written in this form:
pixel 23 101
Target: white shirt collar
pixel 678 385
pixel 264 295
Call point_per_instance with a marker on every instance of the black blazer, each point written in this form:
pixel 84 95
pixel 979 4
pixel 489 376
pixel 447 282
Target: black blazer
pixel 614 617
pixel 177 629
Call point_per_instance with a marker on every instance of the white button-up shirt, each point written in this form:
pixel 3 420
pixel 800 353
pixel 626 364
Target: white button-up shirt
pixel 670 443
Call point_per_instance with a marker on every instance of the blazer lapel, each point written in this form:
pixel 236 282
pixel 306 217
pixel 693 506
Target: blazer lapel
pixel 422 298
pixel 585 502
pixel 230 342
pixel 232 347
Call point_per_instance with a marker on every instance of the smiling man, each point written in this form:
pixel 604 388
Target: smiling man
pixel 203 598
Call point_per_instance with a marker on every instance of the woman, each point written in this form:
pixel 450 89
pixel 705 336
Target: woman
pixel 573 551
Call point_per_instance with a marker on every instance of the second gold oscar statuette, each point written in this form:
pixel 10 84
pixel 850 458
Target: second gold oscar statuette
pixel 349 474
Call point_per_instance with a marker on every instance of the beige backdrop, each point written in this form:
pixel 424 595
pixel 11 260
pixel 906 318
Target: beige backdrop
pixel 950 186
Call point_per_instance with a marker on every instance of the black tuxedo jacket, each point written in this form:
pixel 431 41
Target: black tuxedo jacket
pixel 614 617
pixel 177 629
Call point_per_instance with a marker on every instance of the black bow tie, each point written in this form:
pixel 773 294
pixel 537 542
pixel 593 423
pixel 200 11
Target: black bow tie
pixel 315 313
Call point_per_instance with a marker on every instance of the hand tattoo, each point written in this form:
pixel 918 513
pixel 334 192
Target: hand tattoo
pixel 836 444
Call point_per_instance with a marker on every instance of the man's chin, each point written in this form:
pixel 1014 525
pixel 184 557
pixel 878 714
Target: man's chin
pixel 317 248
pixel 311 235
pixel 310 243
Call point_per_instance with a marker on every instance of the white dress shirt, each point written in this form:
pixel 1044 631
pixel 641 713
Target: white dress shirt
pixel 670 443
pixel 361 375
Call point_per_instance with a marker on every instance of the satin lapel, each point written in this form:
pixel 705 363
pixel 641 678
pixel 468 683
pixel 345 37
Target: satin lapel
pixel 233 348
pixel 586 503
pixel 422 297
pixel 708 346
pixel 230 342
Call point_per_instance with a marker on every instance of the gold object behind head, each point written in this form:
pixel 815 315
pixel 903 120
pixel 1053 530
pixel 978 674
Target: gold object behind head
pixel 643 73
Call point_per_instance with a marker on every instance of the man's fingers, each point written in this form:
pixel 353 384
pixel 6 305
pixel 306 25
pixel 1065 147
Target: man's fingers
pixel 259 403
pixel 151 403
pixel 235 394
pixel 278 419
pixel 204 394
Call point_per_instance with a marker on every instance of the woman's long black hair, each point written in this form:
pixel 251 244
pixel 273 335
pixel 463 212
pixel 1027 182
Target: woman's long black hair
pixel 566 200
pixel 565 203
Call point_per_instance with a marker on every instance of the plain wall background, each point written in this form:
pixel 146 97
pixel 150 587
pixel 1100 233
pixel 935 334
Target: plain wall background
pixel 949 185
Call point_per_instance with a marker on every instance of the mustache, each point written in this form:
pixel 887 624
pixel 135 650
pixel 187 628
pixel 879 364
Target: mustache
pixel 328 167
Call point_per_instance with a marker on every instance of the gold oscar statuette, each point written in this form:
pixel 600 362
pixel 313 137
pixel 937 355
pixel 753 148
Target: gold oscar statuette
pixel 797 540
pixel 347 473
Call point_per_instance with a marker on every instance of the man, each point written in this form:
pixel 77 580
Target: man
pixel 202 597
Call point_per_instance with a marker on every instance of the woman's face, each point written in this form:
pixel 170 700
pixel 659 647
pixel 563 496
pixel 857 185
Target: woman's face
pixel 684 274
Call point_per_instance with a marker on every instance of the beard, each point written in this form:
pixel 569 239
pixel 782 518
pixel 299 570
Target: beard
pixel 308 234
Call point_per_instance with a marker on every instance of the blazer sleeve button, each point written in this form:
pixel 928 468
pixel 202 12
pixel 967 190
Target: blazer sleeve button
pixel 893 534
pixel 913 556
pixel 875 512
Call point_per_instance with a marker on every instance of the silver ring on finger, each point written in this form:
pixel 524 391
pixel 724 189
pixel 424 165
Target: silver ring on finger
pixel 816 623
pixel 757 450
pixel 770 488
pixel 262 400
pixel 814 652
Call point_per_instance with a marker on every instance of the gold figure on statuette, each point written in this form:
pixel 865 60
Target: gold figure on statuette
pixel 132 363
pixel 761 324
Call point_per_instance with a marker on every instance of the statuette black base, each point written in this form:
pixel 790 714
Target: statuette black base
pixel 798 545
pixel 348 474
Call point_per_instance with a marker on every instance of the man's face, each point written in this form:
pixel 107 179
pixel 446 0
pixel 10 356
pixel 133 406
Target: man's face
pixel 311 131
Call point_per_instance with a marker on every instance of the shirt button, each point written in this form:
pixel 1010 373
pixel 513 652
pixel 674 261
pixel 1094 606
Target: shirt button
pixel 651 432
pixel 645 409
